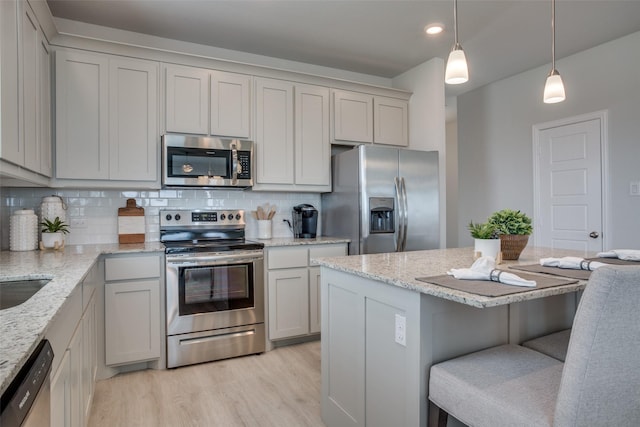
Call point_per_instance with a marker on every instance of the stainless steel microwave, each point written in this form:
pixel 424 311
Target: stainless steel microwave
pixel 197 161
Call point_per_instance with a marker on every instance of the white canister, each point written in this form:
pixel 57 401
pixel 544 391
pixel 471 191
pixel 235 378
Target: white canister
pixel 52 207
pixel 23 231
pixel 264 229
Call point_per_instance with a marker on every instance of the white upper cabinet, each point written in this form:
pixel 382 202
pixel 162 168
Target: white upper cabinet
pixel 106 118
pixel 230 104
pixel 208 102
pixel 133 119
pixel 293 150
pixel 25 112
pixel 360 117
pixel 353 116
pixel 187 100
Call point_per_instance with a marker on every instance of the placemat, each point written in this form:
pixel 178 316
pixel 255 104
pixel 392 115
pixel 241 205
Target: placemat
pixel 556 271
pixel 493 289
pixel 616 261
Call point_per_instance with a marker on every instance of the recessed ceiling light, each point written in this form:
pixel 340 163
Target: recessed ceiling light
pixel 433 29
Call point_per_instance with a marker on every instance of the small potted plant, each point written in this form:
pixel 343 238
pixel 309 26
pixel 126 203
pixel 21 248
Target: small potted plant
pixel 514 228
pixel 486 238
pixel 53 233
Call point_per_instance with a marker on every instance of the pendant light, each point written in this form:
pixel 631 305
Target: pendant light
pixel 456 71
pixel 553 88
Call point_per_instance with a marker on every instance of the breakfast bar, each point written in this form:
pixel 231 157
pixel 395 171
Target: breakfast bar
pixel 382 329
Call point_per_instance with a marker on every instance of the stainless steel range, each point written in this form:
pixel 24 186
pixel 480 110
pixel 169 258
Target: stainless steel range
pixel 215 286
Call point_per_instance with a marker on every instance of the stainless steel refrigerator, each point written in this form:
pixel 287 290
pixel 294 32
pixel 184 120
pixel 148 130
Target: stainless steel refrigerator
pixel 384 199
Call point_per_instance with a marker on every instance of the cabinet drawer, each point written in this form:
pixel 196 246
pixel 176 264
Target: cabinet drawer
pixel 287 258
pixel 327 251
pixel 133 267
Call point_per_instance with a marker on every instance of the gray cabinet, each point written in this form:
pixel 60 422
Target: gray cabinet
pixel 293 150
pixel 293 288
pixel 132 308
pixel 361 117
pixel 25 113
pixel 207 102
pixel 106 119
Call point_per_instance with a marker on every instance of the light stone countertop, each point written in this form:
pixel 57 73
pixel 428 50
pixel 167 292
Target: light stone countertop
pixel 290 241
pixel 23 326
pixel 401 269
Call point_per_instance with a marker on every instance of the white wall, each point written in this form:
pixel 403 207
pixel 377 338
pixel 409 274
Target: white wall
pixel 427 120
pixel 495 135
pixel 100 209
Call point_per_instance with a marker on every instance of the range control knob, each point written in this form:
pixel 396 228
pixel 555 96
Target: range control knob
pixel 177 217
pixel 223 217
pixel 238 217
pixel 168 217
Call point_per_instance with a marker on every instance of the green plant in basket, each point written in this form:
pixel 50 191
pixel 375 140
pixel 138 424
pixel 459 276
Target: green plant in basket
pixel 484 230
pixel 508 221
pixel 55 226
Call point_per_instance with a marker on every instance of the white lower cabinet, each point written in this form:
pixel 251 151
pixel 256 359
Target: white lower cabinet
pixel 293 288
pixel 132 308
pixel 73 338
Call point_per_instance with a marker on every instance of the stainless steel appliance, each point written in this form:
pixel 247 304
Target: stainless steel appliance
pixel 197 161
pixel 384 199
pixel 305 221
pixel 25 402
pixel 214 285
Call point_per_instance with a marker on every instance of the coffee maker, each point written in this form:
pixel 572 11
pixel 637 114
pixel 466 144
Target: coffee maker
pixel 305 221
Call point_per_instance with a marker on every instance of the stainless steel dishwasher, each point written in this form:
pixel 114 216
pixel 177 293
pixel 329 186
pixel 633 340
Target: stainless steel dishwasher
pixel 26 402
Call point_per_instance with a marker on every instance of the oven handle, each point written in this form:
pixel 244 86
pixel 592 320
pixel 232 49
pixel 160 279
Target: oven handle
pixel 213 259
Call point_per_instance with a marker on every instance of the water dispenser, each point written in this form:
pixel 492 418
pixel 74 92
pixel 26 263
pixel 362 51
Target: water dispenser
pixel 381 215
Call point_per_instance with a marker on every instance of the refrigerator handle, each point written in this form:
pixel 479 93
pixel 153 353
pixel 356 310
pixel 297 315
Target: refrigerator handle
pixel 399 207
pixel 405 221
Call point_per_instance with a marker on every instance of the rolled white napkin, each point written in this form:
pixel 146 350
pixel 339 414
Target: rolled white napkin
pixel 625 254
pixel 571 262
pixel 484 269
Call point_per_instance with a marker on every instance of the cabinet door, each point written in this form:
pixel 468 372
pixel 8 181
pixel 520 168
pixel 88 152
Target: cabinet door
pixel 391 121
pixel 89 356
pixel 10 148
pixel 61 393
pixel 230 104
pixel 29 87
pixel 132 321
pixel 75 378
pixel 353 116
pixel 82 146
pixel 274 131
pixel 187 100
pixel 133 120
pixel 44 106
pixel 288 303
pixel 314 300
pixel 312 143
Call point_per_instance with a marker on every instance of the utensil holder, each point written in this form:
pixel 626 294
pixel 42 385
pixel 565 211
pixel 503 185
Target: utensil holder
pixel 264 229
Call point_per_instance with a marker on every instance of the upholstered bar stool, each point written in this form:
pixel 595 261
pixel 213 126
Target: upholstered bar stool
pixel 554 345
pixel 598 385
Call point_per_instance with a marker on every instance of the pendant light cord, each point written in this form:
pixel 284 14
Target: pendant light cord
pixel 553 35
pixel 455 23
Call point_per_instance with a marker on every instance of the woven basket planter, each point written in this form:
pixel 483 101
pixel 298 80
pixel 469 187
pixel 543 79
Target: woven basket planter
pixel 512 245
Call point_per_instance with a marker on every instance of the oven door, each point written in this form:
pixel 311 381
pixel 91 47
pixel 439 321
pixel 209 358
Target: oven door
pixel 214 291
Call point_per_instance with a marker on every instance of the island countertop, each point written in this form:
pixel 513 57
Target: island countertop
pixel 23 326
pixel 401 269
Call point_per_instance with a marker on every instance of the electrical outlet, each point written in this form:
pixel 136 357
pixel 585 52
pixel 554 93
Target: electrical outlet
pixel 401 330
pixel 634 188
pixel 78 223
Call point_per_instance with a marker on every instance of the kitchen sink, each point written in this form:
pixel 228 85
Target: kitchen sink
pixel 16 292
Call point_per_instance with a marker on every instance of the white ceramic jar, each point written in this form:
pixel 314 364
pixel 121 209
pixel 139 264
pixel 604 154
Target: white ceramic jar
pixel 52 207
pixel 23 231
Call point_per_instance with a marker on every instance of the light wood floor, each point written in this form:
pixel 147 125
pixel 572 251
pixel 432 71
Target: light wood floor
pixel 278 388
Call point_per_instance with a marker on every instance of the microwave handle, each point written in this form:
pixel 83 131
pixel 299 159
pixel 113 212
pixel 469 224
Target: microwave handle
pixel 236 167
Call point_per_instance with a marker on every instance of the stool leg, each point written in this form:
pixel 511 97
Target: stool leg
pixel 438 417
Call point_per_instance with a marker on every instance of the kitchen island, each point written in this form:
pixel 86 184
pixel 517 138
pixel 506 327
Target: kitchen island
pixel 382 329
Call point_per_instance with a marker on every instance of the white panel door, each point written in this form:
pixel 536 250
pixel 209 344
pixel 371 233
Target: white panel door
pixel 288 303
pixel 133 119
pixel 352 116
pixel 30 96
pixel 274 132
pixel 570 186
pixel 187 100
pixel 312 144
pixel 44 105
pixel 391 120
pixel 230 104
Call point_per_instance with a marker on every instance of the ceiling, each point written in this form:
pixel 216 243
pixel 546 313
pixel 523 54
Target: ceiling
pixel 381 38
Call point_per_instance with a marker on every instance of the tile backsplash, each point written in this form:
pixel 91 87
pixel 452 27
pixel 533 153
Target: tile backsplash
pixel 93 214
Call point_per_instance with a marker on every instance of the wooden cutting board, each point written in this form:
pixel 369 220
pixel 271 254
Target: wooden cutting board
pixel 131 223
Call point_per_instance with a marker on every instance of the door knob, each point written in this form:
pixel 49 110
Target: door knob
pixel 594 234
